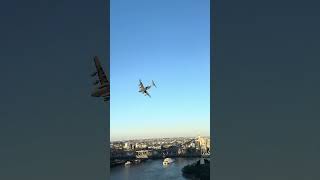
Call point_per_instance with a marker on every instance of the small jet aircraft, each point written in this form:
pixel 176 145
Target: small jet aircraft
pixel 143 89
pixel 103 89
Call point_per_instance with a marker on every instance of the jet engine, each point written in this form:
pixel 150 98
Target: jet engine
pixel 103 86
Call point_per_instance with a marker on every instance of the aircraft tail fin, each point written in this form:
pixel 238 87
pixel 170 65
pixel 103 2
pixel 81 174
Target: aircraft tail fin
pixel 153 84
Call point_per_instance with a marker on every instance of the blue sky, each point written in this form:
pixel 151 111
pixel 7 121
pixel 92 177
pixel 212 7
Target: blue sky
pixel 168 42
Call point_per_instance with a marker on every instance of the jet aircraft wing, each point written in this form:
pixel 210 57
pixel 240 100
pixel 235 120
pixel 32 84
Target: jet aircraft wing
pixel 141 86
pixel 102 76
pixel 147 93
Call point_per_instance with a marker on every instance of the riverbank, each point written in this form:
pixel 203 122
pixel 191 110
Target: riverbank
pixel 199 169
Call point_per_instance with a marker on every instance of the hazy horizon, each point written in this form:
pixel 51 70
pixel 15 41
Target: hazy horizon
pixel 167 42
pixel 142 138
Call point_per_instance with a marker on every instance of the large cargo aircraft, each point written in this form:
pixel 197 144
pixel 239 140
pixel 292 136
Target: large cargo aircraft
pixel 103 88
pixel 143 89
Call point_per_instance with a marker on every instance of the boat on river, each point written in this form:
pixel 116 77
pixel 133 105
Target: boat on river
pixel 127 163
pixel 167 161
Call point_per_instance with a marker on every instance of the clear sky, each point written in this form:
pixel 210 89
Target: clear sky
pixel 168 42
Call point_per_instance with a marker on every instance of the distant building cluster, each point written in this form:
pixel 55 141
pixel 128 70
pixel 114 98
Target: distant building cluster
pixel 203 144
pixel 159 148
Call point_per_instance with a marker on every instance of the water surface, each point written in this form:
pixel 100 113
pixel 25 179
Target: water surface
pixel 152 170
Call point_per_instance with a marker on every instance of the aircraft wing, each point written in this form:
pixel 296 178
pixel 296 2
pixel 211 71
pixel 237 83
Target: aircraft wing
pixel 147 93
pixel 141 86
pixel 102 76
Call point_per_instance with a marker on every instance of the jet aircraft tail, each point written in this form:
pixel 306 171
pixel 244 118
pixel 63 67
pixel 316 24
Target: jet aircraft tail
pixel 153 84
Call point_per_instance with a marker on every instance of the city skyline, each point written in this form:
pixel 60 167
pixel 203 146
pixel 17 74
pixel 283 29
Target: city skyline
pixel 150 138
pixel 168 43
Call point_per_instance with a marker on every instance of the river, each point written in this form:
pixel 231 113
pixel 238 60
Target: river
pixel 152 170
